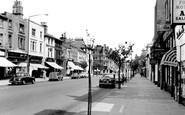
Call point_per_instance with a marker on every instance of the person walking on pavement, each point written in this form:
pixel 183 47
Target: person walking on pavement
pixel 44 74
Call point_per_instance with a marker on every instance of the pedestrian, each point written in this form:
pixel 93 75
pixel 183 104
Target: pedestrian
pixel 141 73
pixel 44 74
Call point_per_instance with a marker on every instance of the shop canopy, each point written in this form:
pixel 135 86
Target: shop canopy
pixel 78 68
pixel 170 58
pixel 54 65
pixel 73 66
pixel 6 63
pixel 36 66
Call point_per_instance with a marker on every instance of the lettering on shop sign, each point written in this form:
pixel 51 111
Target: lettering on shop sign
pixel 178 11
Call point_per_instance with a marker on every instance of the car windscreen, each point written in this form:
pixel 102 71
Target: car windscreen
pixel 107 76
pixel 20 74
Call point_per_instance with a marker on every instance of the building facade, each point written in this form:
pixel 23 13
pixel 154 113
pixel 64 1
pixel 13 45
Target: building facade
pixel 14 31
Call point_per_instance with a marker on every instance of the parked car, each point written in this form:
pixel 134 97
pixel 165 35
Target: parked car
pixel 83 75
pixel 75 76
pixel 107 80
pixel 55 76
pixel 22 78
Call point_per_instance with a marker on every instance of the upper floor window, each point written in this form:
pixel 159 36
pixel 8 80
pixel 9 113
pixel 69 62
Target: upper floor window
pixel 21 28
pixel 10 40
pixel 33 32
pixel 21 43
pixel 10 24
pixel 40 34
pixel 1 39
pixel 40 47
pixel 1 22
pixel 48 40
pixel 33 45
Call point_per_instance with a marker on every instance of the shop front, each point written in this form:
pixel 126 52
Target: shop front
pixel 19 58
pixel 52 66
pixel 36 67
pixel 169 72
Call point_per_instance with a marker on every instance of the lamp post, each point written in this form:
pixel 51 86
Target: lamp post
pixel 89 47
pixel 28 58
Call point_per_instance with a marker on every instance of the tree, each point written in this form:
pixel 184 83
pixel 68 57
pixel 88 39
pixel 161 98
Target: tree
pixel 119 55
pixel 134 64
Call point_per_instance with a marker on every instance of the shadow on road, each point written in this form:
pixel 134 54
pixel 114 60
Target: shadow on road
pixel 57 112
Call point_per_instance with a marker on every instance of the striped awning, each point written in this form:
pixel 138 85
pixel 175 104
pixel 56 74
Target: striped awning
pixel 170 58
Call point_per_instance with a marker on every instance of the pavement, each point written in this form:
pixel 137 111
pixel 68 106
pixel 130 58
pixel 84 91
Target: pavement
pixel 138 96
pixel 6 81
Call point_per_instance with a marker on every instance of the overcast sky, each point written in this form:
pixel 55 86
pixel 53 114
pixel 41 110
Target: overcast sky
pixel 111 22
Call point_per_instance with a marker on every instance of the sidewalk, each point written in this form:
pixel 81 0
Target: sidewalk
pixel 138 96
pixel 6 82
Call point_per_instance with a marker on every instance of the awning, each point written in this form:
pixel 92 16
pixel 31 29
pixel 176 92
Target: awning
pixel 54 65
pixel 170 58
pixel 72 66
pixel 78 68
pixel 6 63
pixel 36 66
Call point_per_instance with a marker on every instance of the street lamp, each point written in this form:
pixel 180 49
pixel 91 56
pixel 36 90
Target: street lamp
pixel 28 58
pixel 89 47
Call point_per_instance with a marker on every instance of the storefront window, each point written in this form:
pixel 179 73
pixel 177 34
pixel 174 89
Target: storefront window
pixel 183 79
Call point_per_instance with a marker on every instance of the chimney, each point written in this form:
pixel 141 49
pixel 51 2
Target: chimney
pixel 18 9
pixel 44 24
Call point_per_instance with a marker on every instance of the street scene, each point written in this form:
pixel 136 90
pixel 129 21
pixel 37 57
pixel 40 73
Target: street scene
pixel 92 57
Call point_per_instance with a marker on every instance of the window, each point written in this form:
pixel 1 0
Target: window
pixel 10 24
pixel 33 45
pixel 49 52
pixel 1 39
pixel 21 28
pixel 40 47
pixel 1 22
pixel 40 34
pixel 10 40
pixel 21 43
pixel 33 32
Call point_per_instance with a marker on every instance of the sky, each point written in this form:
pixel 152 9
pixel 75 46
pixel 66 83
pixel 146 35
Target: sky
pixel 111 22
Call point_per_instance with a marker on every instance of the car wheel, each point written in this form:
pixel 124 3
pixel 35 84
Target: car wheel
pixel 33 81
pixel 23 82
pixel 100 86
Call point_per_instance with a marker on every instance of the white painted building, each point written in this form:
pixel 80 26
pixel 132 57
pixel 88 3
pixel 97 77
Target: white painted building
pixel 35 48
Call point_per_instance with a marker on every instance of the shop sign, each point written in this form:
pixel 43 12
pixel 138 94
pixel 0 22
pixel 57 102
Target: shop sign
pixel 178 11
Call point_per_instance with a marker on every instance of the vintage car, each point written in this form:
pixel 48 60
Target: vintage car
pixel 75 76
pixel 22 78
pixel 55 76
pixel 107 80
pixel 83 75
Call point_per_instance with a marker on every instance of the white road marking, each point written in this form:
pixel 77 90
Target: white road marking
pixel 121 109
pixel 104 107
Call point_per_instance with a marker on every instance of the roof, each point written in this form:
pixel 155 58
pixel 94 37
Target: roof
pixel 49 35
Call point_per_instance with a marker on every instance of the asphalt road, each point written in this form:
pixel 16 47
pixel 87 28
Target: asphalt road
pixel 46 98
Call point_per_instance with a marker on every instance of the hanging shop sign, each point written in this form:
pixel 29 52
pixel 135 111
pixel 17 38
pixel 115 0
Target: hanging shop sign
pixel 178 11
